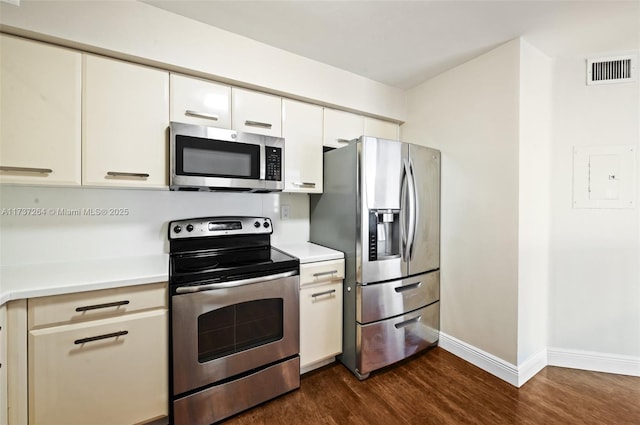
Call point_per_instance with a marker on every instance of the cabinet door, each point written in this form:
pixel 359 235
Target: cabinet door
pixel 382 129
pixel 200 102
pixel 3 365
pixel 340 127
pixel 125 121
pixel 40 99
pixel 255 112
pixel 302 132
pixel 320 322
pixel 94 373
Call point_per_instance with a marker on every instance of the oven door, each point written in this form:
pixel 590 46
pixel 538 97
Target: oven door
pixel 225 329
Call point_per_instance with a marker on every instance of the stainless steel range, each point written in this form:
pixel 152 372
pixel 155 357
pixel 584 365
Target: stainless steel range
pixel 234 318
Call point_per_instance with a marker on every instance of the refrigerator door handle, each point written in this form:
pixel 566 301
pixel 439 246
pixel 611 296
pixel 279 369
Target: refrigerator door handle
pixel 413 211
pixel 403 205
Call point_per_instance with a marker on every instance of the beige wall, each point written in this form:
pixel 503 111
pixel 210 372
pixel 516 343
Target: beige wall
pixel 471 114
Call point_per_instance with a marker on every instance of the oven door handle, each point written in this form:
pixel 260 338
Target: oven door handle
pixel 233 283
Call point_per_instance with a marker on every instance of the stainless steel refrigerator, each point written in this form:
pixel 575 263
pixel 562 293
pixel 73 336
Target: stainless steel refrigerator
pixel 381 207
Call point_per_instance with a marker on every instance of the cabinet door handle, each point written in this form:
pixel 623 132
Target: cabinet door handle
pixel 205 115
pixel 407 322
pixel 324 273
pixel 105 305
pixel 343 140
pixel 319 294
pixel 99 337
pixel 26 170
pixel 257 124
pixel 123 174
pixel 304 184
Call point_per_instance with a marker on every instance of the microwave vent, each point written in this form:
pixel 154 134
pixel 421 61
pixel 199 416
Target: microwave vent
pixel 614 69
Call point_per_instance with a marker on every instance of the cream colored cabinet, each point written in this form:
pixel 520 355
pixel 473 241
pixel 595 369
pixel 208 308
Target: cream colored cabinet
pixel 382 129
pixel 320 313
pixel 3 365
pixel 302 132
pixel 200 102
pixel 40 101
pixel 340 127
pixel 256 112
pixel 124 124
pixel 104 361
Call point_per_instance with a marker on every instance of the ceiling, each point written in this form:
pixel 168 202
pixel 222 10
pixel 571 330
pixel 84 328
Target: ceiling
pixel 403 43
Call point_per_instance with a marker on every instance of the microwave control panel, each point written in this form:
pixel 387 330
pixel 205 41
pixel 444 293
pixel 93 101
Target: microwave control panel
pixel 273 163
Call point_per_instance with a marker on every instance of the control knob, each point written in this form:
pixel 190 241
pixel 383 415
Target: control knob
pixel 256 224
pixel 266 224
pixel 189 227
pixel 177 229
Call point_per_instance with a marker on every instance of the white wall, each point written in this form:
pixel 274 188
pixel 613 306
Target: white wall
pixel 470 113
pixel 140 32
pixel 595 276
pixel 143 231
pixel 534 165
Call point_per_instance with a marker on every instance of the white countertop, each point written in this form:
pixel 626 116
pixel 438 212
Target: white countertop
pixel 37 280
pixel 309 252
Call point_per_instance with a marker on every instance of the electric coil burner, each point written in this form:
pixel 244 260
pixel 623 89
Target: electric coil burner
pixel 234 318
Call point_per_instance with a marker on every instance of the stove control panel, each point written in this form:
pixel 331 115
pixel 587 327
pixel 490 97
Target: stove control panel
pixel 219 226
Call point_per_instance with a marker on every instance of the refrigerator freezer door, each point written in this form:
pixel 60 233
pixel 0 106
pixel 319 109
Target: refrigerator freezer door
pixel 424 251
pixel 382 168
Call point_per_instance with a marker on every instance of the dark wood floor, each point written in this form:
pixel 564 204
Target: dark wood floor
pixel 439 388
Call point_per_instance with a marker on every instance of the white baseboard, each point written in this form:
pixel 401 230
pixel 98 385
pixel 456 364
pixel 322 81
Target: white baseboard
pixel 594 361
pixel 518 375
pixel 485 361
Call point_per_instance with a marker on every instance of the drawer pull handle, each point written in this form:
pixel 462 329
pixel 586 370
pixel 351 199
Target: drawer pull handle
pixel 304 184
pixel 324 273
pixel 123 174
pixel 99 337
pixel 106 305
pixel 205 115
pixel 319 294
pixel 409 287
pixel 343 140
pixel 407 322
pixel 257 124
pixel 26 170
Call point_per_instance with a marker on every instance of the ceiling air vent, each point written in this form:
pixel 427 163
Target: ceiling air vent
pixel 615 69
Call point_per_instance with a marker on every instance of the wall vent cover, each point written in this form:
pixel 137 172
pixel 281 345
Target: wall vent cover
pixel 614 69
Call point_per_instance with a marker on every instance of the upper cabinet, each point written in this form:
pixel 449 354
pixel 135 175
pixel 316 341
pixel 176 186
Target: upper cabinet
pixel 302 132
pixel 256 112
pixel 200 102
pixel 340 127
pixel 40 100
pixel 382 129
pixel 124 124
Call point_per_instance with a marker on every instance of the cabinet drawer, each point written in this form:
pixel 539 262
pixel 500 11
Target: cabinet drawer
pixel 321 272
pixel 382 300
pixel 84 374
pixel 83 306
pixel 320 322
pixel 388 341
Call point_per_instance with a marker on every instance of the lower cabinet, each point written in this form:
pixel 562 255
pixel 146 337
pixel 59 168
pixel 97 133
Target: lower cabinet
pixel 111 370
pixel 320 313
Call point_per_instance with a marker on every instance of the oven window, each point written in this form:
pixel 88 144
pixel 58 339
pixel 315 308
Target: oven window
pixel 239 327
pixel 196 156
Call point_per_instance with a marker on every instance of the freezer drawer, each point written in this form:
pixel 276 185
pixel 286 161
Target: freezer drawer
pixel 381 300
pixel 388 341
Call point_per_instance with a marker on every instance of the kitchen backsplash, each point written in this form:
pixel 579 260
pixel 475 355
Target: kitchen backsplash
pixel 56 224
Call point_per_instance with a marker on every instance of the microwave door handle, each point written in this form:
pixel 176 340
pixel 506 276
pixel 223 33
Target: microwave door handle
pixel 263 162
pixel 232 284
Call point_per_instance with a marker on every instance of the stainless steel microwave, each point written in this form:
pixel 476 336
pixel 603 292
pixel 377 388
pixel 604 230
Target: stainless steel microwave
pixel 208 158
